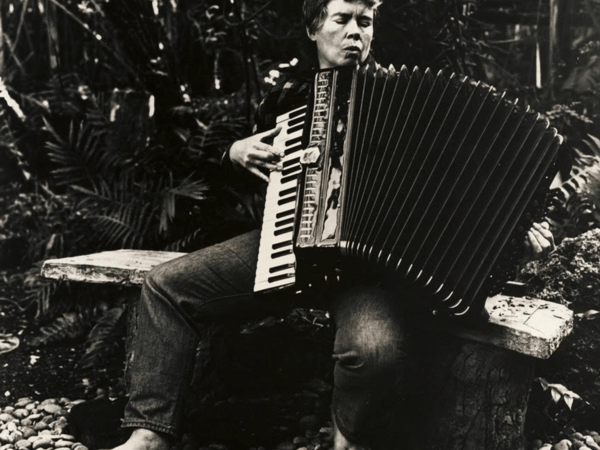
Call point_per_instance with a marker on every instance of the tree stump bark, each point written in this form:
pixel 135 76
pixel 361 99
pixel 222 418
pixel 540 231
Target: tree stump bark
pixel 473 396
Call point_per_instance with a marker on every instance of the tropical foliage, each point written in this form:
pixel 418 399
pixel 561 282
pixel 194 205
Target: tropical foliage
pixel 114 114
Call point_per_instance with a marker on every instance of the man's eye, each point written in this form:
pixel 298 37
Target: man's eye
pixel 365 24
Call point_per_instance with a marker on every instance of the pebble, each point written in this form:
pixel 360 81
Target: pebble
pixel 20 413
pixel 40 426
pixel 23 443
pixel 51 408
pixel 28 432
pixel 42 443
pixel 22 402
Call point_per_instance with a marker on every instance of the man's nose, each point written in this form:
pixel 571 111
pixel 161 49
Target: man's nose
pixel 353 29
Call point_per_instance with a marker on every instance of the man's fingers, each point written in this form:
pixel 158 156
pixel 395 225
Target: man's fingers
pixel 264 154
pixel 540 245
pixel 269 133
pixel 259 174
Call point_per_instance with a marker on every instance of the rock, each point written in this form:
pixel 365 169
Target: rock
pixel 67 437
pixel 30 406
pixel 22 402
pixel 565 444
pixel 40 426
pixel 20 413
pixel 35 416
pixel 16 436
pixel 51 408
pixel 49 401
pixel 11 426
pixel 43 443
pixel 62 448
pixel 28 432
pixel 9 409
pixel 5 417
pixel 59 424
pixel 80 447
pixel 589 441
pixel 23 443
pixel 63 443
pixel 5 437
pixel 26 422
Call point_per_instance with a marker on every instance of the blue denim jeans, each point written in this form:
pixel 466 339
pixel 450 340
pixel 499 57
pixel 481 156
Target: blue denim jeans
pixel 215 284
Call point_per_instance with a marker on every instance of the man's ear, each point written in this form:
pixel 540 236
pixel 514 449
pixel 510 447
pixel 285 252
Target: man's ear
pixel 310 35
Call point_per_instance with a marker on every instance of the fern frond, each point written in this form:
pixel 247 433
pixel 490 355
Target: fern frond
pixel 104 337
pixel 69 326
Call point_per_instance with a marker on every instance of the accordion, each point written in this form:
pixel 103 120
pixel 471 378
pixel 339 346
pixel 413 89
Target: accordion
pixel 425 181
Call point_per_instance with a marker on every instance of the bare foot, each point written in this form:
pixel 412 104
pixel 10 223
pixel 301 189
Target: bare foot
pixel 143 439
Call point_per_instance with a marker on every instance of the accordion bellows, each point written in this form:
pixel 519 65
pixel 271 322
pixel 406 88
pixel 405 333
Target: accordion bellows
pixel 425 180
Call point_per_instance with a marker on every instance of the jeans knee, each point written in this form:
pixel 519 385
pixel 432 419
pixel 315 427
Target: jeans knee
pixel 375 345
pixel 371 328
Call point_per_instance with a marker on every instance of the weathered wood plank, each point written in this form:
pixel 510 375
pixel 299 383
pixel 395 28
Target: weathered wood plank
pixel 528 326
pixel 128 267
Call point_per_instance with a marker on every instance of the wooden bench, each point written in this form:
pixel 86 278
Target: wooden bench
pixel 475 380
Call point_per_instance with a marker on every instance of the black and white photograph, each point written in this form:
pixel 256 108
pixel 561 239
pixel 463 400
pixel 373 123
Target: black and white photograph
pixel 299 225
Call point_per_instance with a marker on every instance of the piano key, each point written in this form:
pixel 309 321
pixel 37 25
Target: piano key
pixel 287 259
pixel 292 114
pixel 263 286
pixel 284 267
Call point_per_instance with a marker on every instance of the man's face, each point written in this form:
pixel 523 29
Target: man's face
pixel 344 38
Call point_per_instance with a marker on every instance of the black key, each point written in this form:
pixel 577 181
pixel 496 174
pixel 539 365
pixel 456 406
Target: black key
pixel 285 222
pixel 297 121
pixel 280 277
pixel 280 268
pixel 281 214
pixel 282 253
pixel 284 231
pixel 281 244
pixel 293 129
pixel 289 178
pixel 285 200
pixel 291 162
pixel 297 113
pixel 291 150
pixel 293 141
pixel 287 192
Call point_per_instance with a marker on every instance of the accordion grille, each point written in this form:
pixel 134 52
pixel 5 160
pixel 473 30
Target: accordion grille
pixel 440 179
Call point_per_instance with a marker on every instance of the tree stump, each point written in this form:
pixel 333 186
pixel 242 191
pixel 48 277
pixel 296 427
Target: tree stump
pixel 473 396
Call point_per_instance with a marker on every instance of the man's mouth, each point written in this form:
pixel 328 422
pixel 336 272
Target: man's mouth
pixel 352 49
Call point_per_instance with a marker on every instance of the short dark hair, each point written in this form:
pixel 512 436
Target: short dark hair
pixel 314 12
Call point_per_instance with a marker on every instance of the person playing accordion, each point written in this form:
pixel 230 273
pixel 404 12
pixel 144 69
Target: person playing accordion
pixel 180 299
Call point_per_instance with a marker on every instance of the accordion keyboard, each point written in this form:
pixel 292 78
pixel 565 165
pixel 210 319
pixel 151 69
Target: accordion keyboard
pixel 276 260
